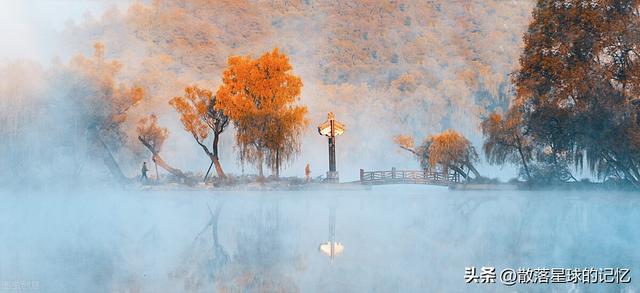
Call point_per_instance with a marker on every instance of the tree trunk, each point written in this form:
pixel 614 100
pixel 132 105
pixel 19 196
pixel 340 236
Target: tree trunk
pixel 411 151
pixel 260 160
pixel 627 174
pixel 473 169
pixel 206 175
pixel 445 173
pixel 213 156
pixel 455 169
pixel 107 157
pixel 215 159
pixel 277 164
pixel 157 160
pixel 634 170
pixel 216 163
pixel 160 162
pixel 524 161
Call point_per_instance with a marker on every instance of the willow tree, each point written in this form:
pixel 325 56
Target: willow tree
pixel 153 136
pixel 505 142
pixel 260 96
pixel 579 75
pixel 449 150
pixel 199 117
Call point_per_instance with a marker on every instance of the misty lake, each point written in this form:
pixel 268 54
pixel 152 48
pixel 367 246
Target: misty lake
pixel 390 239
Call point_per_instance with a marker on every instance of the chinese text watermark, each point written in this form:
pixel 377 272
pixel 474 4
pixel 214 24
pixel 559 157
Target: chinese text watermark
pixel 510 277
pixel 19 285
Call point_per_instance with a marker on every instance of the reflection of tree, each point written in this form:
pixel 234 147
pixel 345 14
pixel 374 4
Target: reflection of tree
pixel 263 261
pixel 205 257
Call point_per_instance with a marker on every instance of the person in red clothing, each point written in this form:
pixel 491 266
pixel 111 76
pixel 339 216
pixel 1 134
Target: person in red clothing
pixel 307 173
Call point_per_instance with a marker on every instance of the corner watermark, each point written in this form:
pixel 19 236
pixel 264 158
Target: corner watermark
pixel 510 276
pixel 19 285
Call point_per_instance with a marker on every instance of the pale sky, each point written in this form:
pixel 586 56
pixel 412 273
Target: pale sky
pixel 27 27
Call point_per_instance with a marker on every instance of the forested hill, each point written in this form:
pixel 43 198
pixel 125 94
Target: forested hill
pixel 383 67
pixel 448 58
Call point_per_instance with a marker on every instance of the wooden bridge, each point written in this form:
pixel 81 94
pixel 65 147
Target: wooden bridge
pixel 408 177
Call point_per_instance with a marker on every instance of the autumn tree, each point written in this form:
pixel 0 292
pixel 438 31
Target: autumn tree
pixel 405 142
pixel 421 152
pixel 199 117
pixel 153 136
pixel 259 96
pixel 579 73
pixel 505 143
pixel 103 103
pixel 448 149
pixel 451 149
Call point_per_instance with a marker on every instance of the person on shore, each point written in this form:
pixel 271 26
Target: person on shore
pixel 307 173
pixel 143 177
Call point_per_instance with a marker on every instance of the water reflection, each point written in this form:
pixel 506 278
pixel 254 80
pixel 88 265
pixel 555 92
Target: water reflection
pixel 400 240
pixel 332 248
pixel 261 257
pixel 205 257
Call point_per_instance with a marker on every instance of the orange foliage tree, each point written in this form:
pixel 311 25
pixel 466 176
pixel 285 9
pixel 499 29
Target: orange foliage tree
pixel 153 136
pixel 259 96
pixel 406 143
pixel 103 102
pixel 449 150
pixel 198 116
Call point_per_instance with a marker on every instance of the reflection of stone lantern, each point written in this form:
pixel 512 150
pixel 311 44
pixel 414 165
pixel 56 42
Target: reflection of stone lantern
pixel 331 128
pixel 332 248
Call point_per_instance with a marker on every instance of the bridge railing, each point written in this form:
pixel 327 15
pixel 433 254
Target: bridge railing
pixel 408 177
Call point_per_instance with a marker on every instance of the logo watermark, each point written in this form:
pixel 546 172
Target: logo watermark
pixel 19 285
pixel 510 276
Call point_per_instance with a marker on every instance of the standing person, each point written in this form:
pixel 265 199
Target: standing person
pixel 307 173
pixel 144 171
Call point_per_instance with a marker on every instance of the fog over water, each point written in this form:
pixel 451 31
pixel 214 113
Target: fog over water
pixel 396 239
pixel 385 68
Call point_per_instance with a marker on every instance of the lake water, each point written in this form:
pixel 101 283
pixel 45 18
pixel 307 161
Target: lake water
pixel 395 239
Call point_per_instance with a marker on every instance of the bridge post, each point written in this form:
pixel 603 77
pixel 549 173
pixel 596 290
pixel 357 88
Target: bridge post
pixel 393 173
pixel 361 175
